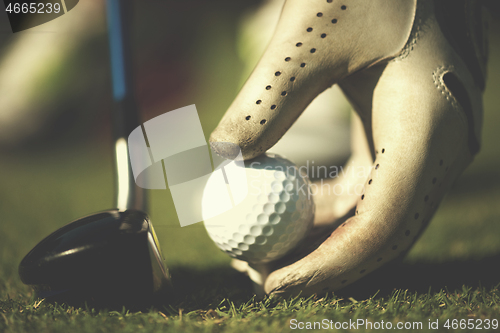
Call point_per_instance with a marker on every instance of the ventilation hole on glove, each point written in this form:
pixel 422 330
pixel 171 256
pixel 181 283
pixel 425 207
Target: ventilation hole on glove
pixel 334 21
pixel 288 59
pixel 273 107
pixel 426 198
pixel 319 14
pixel 383 150
pixel 263 121
pixel 407 233
pixel 343 281
pixel 292 78
pixel 329 1
pixel 441 163
pixel 283 93
pixel 362 271
pixel 313 50
pixel 303 65
pixel 376 166
pixel 370 181
pixel 362 197
pixel 343 225
pixel 309 29
pixel 416 216
pixel 277 73
pixel 323 35
pixel 268 87
pixel 258 102
pixel 247 117
pixel 395 247
pixel 434 180
pixel 299 44
pixel 343 7
pixel 379 259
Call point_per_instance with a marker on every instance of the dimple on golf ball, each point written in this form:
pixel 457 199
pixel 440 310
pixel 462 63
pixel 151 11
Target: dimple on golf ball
pixel 274 216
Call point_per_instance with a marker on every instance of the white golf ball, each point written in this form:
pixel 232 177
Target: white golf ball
pixel 274 216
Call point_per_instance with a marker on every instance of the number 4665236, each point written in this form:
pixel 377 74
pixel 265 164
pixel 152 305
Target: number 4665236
pixel 33 8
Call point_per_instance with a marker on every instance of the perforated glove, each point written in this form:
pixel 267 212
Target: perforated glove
pixel 414 72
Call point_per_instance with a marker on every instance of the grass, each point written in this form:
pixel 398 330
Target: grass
pixel 256 316
pixel 451 273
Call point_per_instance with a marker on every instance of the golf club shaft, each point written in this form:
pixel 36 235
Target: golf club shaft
pixel 125 113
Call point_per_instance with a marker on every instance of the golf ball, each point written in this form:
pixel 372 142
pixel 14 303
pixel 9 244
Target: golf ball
pixel 274 216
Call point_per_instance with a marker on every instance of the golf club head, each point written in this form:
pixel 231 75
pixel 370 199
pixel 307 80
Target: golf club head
pixel 111 257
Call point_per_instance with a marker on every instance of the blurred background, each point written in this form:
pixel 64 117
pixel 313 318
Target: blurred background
pixel 55 131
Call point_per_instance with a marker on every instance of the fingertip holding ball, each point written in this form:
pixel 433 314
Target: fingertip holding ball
pixel 273 217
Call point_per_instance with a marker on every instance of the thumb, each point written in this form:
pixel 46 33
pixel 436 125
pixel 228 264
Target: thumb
pixel 316 43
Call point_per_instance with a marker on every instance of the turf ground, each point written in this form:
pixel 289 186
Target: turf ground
pixel 452 273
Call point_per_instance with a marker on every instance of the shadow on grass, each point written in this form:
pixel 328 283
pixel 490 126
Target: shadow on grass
pixel 193 289
pixel 205 289
pixel 198 289
pixel 424 277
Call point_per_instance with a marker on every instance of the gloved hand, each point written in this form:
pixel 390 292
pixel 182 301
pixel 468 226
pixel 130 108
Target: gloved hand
pixel 414 72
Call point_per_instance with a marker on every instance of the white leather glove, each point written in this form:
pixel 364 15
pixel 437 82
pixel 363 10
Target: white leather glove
pixel 413 71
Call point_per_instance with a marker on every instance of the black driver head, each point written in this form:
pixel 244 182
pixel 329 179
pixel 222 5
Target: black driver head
pixel 108 258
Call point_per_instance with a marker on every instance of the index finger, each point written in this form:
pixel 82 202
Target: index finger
pixel 316 44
